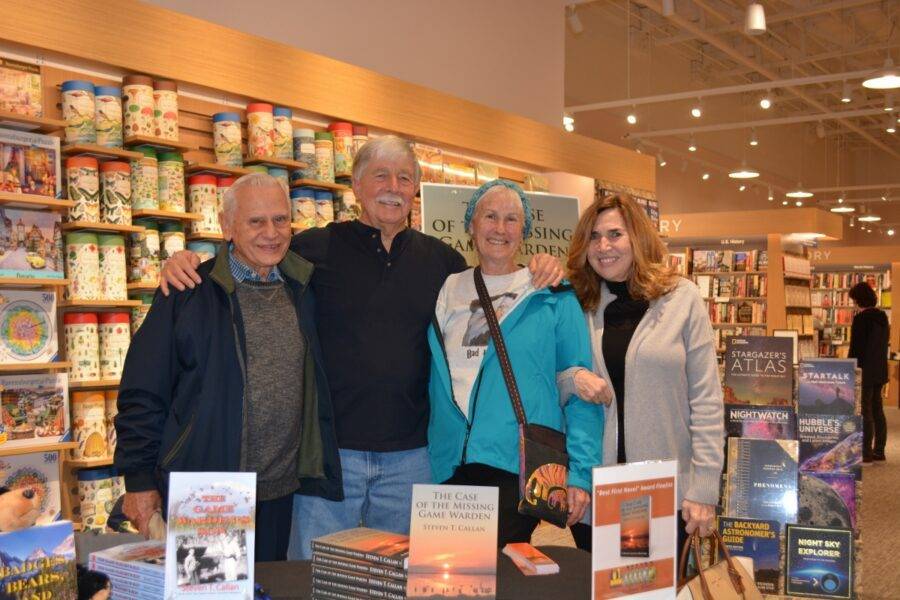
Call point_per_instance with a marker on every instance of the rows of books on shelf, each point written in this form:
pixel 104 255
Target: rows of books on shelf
pixel 723 333
pixel 731 286
pixel 791 483
pixel 725 312
pixel 797 296
pixel 879 280
pixel 797 267
pixel 717 261
pixel 803 324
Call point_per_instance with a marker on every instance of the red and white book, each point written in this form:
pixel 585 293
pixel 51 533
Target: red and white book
pixel 530 560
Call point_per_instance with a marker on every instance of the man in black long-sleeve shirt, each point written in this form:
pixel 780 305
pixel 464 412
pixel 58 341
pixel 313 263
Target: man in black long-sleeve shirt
pixel 376 283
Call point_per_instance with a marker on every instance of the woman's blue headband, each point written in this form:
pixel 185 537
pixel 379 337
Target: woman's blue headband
pixel 480 192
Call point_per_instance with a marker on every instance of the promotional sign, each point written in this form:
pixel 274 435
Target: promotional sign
pixel 553 221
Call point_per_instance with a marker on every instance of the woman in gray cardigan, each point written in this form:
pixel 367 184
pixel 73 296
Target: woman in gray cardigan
pixel 654 357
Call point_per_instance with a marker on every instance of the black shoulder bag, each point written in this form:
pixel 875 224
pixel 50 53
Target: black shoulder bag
pixel 543 461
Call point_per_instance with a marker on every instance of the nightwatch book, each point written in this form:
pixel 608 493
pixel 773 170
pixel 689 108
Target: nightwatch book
pixel 633 530
pixel 761 480
pixel 210 535
pixel 819 562
pixel 760 422
pixel 759 540
pixel 453 542
pixel 759 370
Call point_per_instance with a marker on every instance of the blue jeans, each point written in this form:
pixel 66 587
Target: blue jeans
pixel 377 494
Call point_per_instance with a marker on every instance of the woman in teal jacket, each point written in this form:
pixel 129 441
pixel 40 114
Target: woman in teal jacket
pixel 473 433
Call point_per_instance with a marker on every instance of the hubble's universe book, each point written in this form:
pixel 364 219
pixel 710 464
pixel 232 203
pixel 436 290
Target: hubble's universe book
pixel 761 479
pixel 759 540
pixel 759 370
pixel 818 562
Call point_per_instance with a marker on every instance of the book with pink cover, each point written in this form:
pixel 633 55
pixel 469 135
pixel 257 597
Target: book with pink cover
pixel 530 560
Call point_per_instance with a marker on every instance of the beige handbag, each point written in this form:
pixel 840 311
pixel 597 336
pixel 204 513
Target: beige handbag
pixel 722 580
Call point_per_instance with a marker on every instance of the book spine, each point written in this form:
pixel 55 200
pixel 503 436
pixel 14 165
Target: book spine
pixel 336 562
pixel 357 579
pixel 366 592
pixel 357 554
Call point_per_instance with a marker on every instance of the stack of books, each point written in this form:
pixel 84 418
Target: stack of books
pixel 136 571
pixel 360 563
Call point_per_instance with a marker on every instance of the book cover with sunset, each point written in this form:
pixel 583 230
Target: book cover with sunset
pixel 453 542
pixel 634 530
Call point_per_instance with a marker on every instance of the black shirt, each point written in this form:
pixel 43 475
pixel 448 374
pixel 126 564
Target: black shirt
pixel 373 309
pixel 620 318
pixel 869 337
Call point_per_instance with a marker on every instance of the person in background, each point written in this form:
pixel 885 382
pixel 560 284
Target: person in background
pixel 869 336
pixel 473 434
pixel 375 282
pixel 654 357
pixel 227 376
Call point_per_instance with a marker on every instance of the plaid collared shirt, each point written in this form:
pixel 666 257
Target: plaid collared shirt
pixel 242 272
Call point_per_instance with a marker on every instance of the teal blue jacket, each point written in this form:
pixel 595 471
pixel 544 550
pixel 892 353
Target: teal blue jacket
pixel 545 334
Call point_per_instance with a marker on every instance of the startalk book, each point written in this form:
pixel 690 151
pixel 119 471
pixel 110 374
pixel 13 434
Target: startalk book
pixel 759 540
pixel 827 387
pixel 38 563
pixel 761 479
pixel 210 535
pixel 818 562
pixel 634 530
pixel 759 371
pixel 453 542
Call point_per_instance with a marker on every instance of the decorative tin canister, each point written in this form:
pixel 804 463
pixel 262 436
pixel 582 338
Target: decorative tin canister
pixel 260 130
pixel 222 184
pixel 111 400
pixel 360 137
pixel 95 491
pixel 303 207
pixel 283 133
pixel 89 425
pixel 145 180
pixel 227 139
pixel 137 105
pixel 305 151
pixel 165 110
pixel 171 182
pixel 324 208
pixel 171 240
pixel 343 148
pixel 115 183
pixel 324 156
pixel 113 272
pixel 139 313
pixel 202 190
pixel 203 250
pixel 83 186
pixel 82 266
pixel 82 346
pixel 143 253
pixel 78 112
pixel 108 115
pixel 115 336
pixel 281 175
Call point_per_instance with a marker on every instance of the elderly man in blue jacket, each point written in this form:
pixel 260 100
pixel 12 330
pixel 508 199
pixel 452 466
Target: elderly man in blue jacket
pixel 227 376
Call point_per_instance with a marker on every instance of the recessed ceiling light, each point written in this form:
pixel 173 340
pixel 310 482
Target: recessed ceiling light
pixel 705 176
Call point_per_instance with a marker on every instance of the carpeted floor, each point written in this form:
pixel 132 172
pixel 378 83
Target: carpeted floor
pixel 879 520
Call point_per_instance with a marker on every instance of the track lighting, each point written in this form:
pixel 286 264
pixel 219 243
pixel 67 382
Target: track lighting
pixel 692 145
pixel 754 141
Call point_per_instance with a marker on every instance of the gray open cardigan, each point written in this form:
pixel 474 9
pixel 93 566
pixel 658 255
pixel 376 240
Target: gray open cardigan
pixel 673 396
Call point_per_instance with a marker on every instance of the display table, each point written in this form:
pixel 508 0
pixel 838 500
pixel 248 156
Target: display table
pixel 292 580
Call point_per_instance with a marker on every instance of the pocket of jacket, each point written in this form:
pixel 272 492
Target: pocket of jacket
pixel 182 437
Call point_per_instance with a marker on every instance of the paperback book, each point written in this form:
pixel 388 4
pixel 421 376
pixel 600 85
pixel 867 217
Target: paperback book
pixel 362 567
pixel 827 387
pixel 361 544
pixel 38 475
pixel 759 540
pixel 369 583
pixel 819 562
pixel 453 542
pixel 761 480
pixel 210 535
pixel 828 500
pixel 39 562
pixel 136 571
pixel 758 371
pixel 760 422
pixel 634 530
pixel 530 560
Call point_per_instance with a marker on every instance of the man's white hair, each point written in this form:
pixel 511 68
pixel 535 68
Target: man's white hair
pixel 248 183
pixel 386 147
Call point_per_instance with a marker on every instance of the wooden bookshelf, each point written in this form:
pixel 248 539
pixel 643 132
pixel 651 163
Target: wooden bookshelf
pixel 11 120
pixel 732 325
pixel 195 168
pixel 87 225
pixel 60 365
pixel 51 447
pixel 165 214
pixel 315 183
pixel 33 201
pixel 163 144
pixel 100 152
pixel 97 304
pixel 291 165
pixel 93 385
pixel 37 282
pixel 729 273
pixel 87 463
pixel 142 287
pixel 203 236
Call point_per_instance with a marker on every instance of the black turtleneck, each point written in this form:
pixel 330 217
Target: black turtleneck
pixel 620 319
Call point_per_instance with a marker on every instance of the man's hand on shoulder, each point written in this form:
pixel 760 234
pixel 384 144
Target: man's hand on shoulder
pixel 180 272
pixel 546 271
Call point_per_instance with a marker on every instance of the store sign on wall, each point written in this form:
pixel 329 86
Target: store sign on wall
pixel 553 220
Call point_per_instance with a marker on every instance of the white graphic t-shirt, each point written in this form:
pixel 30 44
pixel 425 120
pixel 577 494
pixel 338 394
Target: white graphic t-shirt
pixel 464 327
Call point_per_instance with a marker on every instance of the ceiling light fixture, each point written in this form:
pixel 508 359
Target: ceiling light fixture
pixel 842 209
pixel 799 203
pixel 799 192
pixel 574 21
pixel 692 145
pixel 846 93
pixel 784 202
pixel 569 123
pixel 840 200
pixel 771 195
pixel 661 161
pixel 744 172
pixel 697 110
pixel 754 141
pixel 852 221
pixel 891 126
pixel 755 19
pixel 868 217
pixel 632 117
pixel 668 8
pixel 890 232
pixel 765 102
pixel 887 78
pixel 742 187
pixel 705 177
pixel 888 103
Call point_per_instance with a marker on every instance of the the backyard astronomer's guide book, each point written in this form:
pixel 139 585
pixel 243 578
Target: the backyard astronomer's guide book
pixel 634 530
pixel 211 534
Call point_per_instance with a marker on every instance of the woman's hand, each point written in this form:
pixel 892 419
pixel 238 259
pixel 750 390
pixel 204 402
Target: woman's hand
pixel 180 272
pixel 545 271
pixel 698 515
pixel 579 500
pixel 590 387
